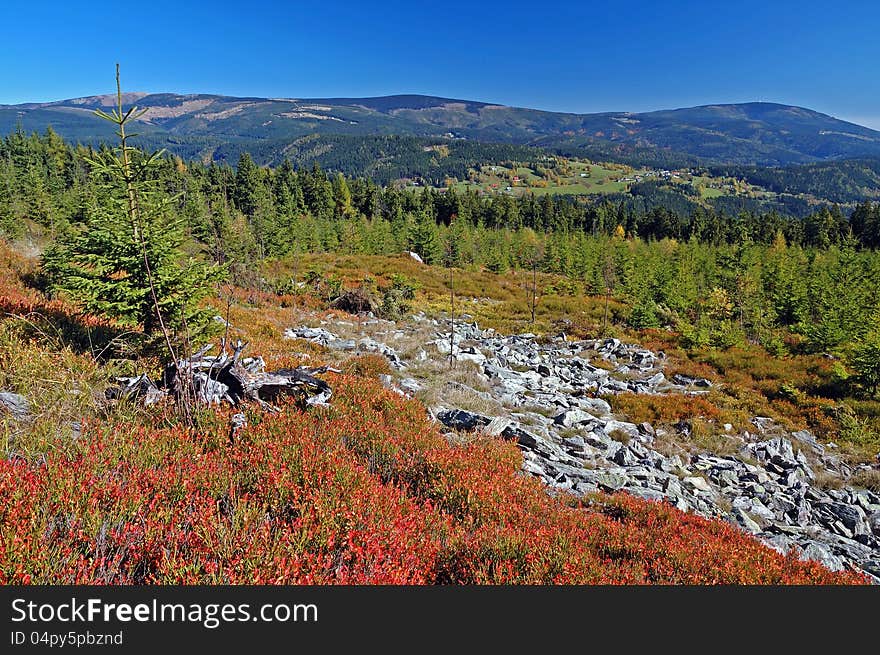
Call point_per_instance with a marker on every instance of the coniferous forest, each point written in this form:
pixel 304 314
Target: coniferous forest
pixel 161 255
pixel 759 275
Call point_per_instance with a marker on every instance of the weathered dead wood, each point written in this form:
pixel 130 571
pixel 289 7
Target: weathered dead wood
pixel 230 378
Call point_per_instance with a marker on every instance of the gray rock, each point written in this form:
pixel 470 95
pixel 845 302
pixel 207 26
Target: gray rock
pixel 807 437
pixel 368 344
pixel 697 483
pixel 793 478
pixel 388 382
pixel 586 488
pixel 614 386
pixel 645 494
pixel 470 355
pixel 595 406
pixel 638 450
pixel 672 487
pixel 671 464
pixel 572 417
pixel 746 521
pixel 599 440
pixel 611 481
pixel 410 385
pixel 687 381
pixel 497 426
pixel 763 423
pixel 342 344
pixel 682 505
pixel 782 504
pixel 15 405
pixel 459 419
pixel 754 506
pixel 851 516
pixel 822 554
pixel 315 335
pixel 613 447
pixel 780 543
pixel 625 457
pixel 575 443
pixel 630 429
pixel 726 477
pixel 642 473
pixel 874 523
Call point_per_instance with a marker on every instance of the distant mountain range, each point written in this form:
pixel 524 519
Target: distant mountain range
pixel 219 127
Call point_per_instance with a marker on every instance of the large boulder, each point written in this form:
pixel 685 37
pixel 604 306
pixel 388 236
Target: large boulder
pixel 874 523
pixel 595 406
pixel 572 417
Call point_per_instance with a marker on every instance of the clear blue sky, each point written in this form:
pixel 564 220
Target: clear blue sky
pixel 614 55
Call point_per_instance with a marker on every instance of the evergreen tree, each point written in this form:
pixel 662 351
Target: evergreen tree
pixel 127 263
pixel 247 185
pixel 318 193
pixel 342 197
pixel 423 238
pixel 865 358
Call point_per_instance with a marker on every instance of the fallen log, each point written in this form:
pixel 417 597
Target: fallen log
pixel 211 380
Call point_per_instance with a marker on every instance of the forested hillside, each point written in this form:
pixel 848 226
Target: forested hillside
pixel 781 312
pixel 47 181
pixel 841 181
pixel 207 126
pixel 718 277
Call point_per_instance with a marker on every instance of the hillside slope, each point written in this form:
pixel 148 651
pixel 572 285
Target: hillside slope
pixel 365 491
pixel 196 125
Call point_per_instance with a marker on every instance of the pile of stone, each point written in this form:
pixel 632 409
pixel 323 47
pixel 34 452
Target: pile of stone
pixel 571 440
pixel 329 340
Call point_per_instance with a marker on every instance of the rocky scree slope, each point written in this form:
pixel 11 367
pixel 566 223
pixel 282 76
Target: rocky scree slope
pixel 570 439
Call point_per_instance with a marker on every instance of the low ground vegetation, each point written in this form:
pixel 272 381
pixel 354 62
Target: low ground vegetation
pixel 365 491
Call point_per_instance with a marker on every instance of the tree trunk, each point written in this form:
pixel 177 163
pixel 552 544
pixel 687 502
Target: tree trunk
pixel 605 318
pixel 452 318
pixel 534 289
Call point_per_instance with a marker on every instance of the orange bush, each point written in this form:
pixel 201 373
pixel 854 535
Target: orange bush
pixel 367 365
pixel 664 409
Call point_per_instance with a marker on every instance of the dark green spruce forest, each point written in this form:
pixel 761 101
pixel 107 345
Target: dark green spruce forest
pixel 719 278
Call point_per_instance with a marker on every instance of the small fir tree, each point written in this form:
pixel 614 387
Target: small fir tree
pixel 126 262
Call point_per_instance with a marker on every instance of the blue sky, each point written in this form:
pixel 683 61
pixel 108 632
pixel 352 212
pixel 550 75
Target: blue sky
pixel 615 55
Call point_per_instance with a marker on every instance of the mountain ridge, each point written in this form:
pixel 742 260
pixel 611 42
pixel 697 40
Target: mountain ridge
pixel 750 133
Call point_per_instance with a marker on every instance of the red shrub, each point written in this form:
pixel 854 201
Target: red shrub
pixel 366 491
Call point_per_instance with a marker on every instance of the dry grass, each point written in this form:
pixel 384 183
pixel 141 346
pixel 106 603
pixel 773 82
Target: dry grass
pixel 496 301
pixel 463 386
pixel 867 479
pixel 825 480
pixel 61 386
pixel 710 437
pixel 705 437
